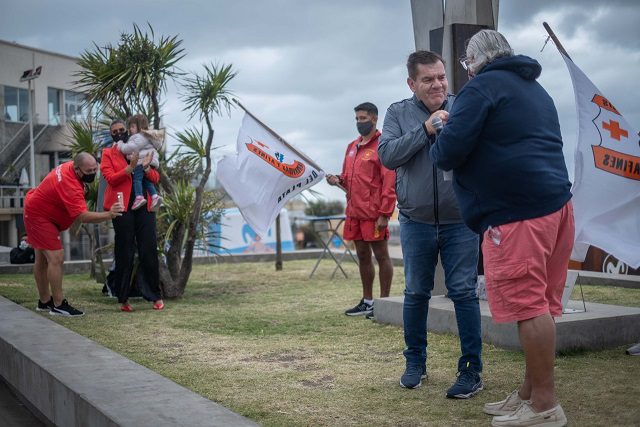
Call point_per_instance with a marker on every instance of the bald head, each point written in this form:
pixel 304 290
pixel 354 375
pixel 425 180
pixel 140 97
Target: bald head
pixel 84 160
pixel 85 166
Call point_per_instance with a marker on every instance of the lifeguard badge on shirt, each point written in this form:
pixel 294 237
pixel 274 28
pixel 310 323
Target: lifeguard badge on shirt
pixel 617 142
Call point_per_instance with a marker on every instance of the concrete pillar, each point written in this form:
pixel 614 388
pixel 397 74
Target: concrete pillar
pixel 13 232
pixel 446 33
pixel 464 18
pixel 428 22
pixel 66 241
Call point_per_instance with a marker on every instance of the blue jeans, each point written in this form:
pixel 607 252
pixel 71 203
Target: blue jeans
pixel 458 248
pixel 140 182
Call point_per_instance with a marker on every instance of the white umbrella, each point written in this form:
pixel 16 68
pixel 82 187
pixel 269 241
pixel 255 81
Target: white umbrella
pixel 24 178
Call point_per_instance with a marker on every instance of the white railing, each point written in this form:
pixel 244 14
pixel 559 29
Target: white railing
pixel 12 196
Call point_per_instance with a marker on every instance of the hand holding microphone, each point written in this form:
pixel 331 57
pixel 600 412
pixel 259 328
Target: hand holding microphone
pixel 441 117
pixel 437 124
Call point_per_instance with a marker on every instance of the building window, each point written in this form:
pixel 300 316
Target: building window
pixel 74 108
pixel 16 104
pixel 53 105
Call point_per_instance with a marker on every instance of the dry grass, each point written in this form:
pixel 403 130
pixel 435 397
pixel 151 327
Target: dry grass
pixel 275 347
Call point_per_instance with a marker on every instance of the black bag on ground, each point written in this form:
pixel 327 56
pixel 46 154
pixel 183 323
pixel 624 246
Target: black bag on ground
pixel 22 256
pixel 139 288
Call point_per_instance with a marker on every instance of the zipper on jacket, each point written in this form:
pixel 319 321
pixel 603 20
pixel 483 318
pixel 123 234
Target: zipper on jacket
pixel 435 194
pixel 353 168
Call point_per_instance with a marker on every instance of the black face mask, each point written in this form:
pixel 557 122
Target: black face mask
pixel 120 136
pixel 364 128
pixel 89 178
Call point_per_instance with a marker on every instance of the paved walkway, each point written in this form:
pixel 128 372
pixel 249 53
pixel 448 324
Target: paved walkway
pixel 12 412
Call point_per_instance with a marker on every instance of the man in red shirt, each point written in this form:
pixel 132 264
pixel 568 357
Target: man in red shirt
pixel 371 199
pixel 51 208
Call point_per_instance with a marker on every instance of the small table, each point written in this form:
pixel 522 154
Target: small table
pixel 329 225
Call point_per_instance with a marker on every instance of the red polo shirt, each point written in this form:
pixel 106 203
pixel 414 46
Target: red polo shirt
pixel 53 206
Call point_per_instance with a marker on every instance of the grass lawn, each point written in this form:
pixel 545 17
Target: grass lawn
pixel 277 348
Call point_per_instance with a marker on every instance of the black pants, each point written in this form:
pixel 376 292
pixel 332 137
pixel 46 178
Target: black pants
pixel 136 228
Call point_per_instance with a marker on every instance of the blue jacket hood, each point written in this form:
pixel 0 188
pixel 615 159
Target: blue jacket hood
pixel 525 67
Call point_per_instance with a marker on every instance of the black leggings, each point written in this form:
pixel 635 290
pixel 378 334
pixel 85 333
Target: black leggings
pixel 136 226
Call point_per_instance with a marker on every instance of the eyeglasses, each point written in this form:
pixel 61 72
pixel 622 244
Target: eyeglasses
pixel 115 131
pixel 465 62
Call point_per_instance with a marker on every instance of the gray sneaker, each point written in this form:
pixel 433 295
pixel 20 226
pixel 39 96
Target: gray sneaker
pixel 504 407
pixel 634 350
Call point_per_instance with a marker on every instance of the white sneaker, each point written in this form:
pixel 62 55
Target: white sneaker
pixel 525 416
pixel 504 407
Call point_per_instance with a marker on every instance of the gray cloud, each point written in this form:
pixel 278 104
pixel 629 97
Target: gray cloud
pixel 304 65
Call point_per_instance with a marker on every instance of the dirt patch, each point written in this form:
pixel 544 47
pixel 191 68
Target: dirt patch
pixel 322 382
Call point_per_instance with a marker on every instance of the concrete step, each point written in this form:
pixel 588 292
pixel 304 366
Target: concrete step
pixel 69 380
pixel 601 326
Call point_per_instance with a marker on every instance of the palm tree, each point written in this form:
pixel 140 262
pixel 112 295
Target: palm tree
pixel 82 140
pixel 132 77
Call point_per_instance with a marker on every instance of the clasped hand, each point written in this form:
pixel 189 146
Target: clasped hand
pixel 133 161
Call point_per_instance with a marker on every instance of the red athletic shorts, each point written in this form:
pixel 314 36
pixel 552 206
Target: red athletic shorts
pixel 356 229
pixel 525 265
pixel 41 232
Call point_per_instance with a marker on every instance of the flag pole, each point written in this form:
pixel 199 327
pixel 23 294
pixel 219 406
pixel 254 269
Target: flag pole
pixel 278 245
pixel 555 40
pixel 278 137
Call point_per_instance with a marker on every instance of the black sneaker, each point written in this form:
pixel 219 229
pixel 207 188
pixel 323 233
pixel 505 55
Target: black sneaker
pixel 370 315
pixel 413 376
pixel 467 385
pixel 360 309
pixel 45 306
pixel 65 309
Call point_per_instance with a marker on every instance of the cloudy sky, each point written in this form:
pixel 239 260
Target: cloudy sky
pixel 303 65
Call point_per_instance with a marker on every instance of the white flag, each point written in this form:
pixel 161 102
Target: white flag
pixel 606 189
pixel 263 174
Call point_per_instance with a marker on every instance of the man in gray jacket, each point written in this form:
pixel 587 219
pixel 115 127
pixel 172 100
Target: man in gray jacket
pixel 431 224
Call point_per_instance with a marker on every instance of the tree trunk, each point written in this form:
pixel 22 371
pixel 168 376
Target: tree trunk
pixel 92 248
pixel 177 268
pixel 170 270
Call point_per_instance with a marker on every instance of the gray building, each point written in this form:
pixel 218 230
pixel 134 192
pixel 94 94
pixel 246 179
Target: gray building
pixel 55 101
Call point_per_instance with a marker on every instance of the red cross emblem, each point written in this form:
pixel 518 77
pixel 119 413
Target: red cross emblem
pixel 614 128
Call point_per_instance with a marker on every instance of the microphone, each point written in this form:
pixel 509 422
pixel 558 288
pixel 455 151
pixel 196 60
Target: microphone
pixel 437 124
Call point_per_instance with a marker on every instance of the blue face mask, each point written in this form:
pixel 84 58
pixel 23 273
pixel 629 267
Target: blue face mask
pixel 364 128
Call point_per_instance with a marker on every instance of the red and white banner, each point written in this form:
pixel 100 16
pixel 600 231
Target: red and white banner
pixel 264 174
pixel 606 188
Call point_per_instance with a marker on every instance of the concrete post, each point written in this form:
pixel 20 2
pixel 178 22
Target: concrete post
pixel 447 33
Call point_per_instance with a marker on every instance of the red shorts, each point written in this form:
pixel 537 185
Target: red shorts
pixel 41 232
pixel 525 265
pixel 357 229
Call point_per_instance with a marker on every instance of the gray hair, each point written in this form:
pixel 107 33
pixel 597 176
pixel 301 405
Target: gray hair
pixel 486 46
